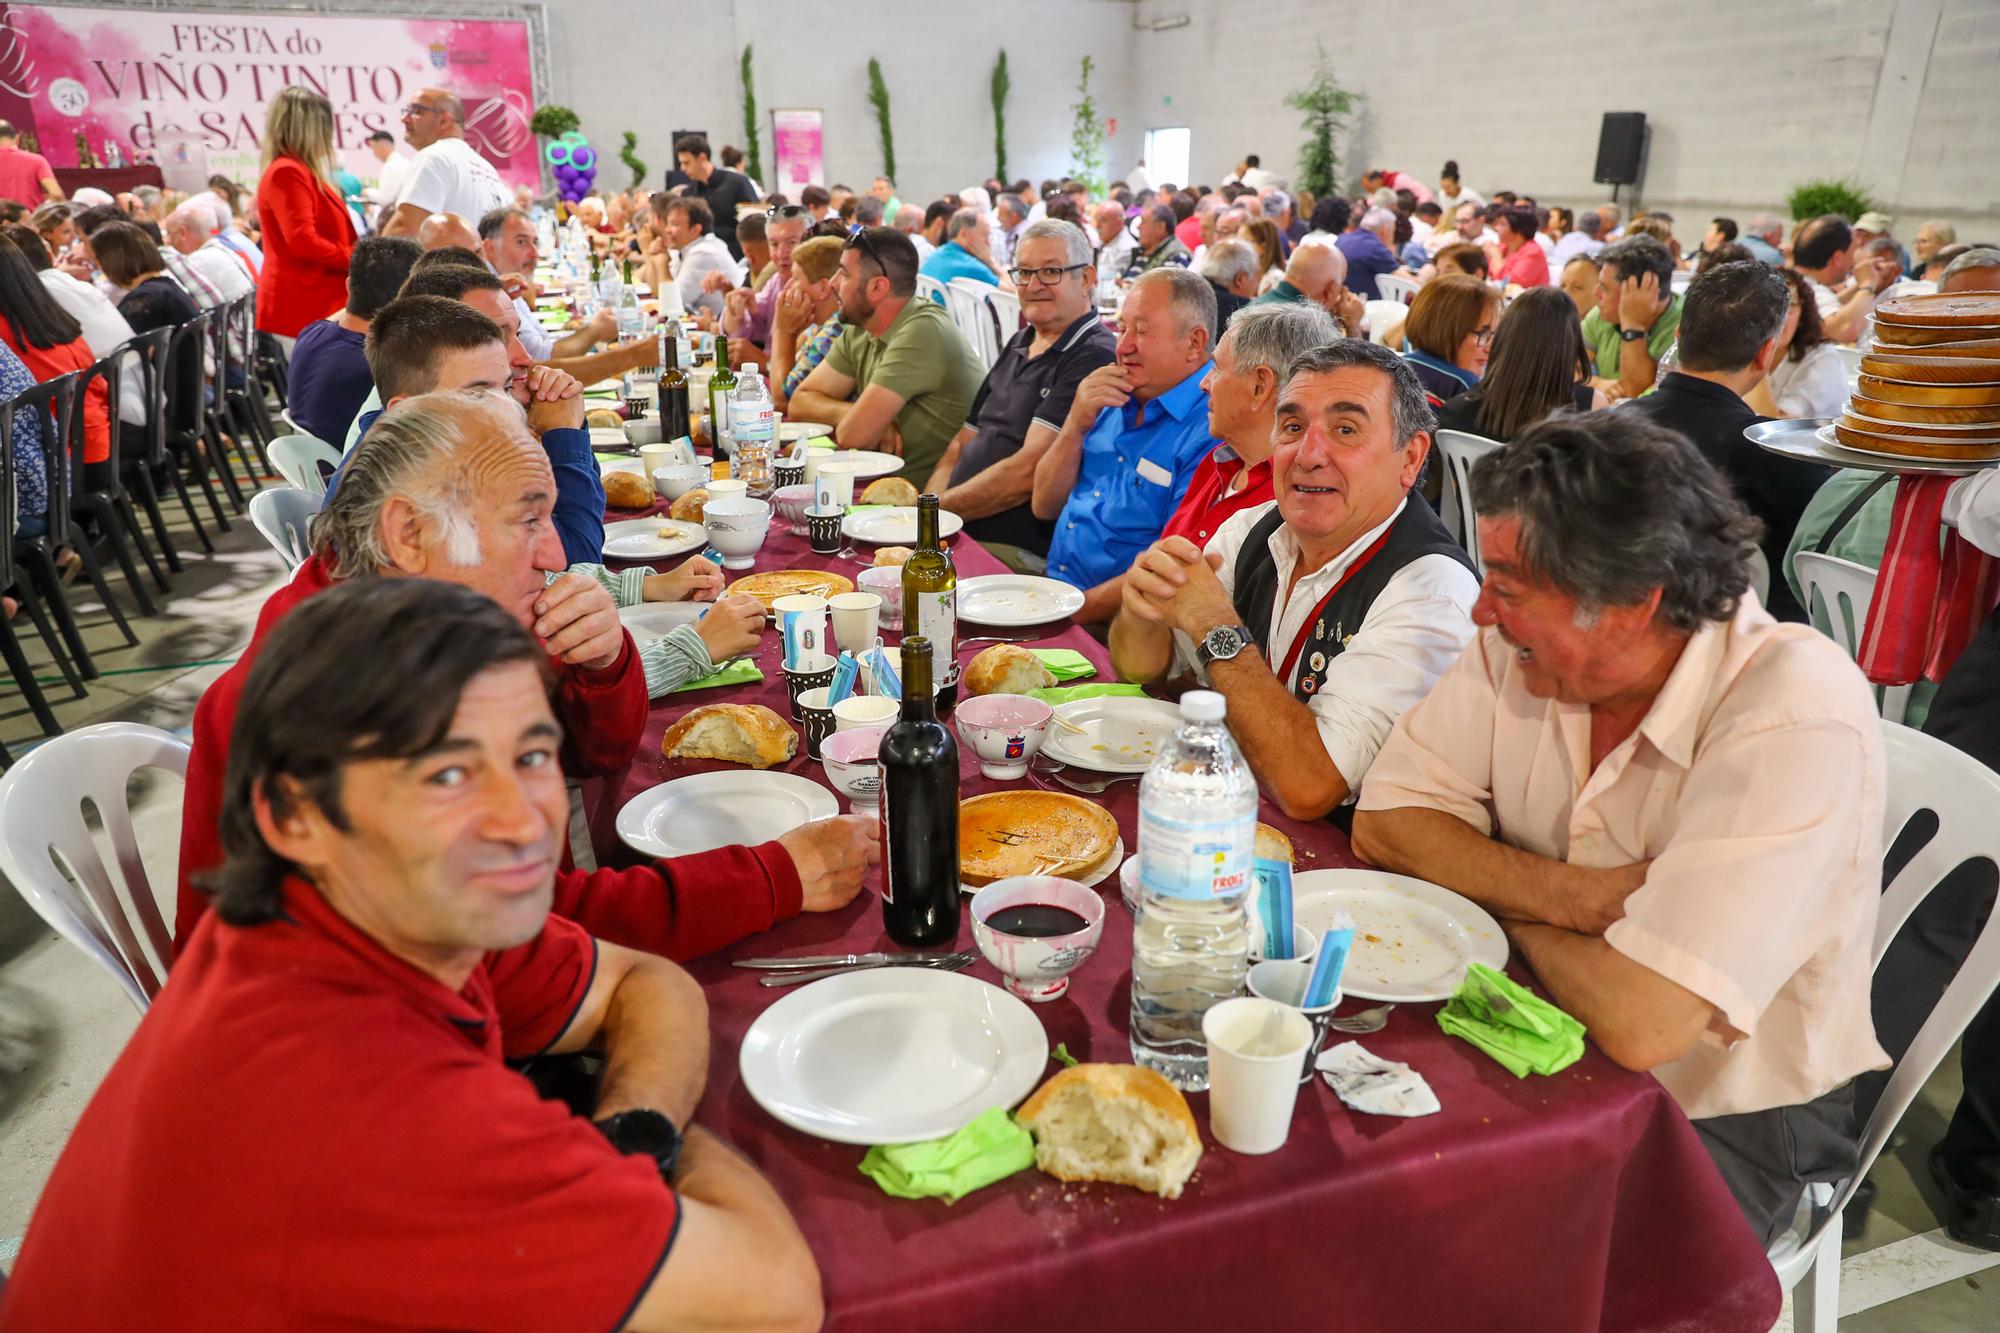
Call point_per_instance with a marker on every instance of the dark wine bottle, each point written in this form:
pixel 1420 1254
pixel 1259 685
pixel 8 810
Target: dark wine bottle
pixel 919 760
pixel 673 393
pixel 930 600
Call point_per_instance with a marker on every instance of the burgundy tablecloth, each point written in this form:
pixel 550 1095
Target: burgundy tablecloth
pixel 1582 1201
pixel 112 180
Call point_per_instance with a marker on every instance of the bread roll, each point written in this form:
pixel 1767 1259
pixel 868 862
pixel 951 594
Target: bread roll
pixel 626 490
pixel 1116 1123
pixel 1273 845
pixel 889 491
pixel 896 556
pixel 1007 668
pixel 608 418
pixel 691 506
pixel 737 733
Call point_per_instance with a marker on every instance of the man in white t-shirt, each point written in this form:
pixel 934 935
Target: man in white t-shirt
pixel 447 175
pixel 395 169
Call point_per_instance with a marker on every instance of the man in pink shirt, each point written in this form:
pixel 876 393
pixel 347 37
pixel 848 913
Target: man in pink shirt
pixel 1673 801
pixel 25 177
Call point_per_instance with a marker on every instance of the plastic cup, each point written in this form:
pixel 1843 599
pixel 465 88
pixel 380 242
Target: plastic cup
pixel 856 617
pixel 1255 1047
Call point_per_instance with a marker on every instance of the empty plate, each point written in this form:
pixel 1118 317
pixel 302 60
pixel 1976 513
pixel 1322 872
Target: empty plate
pixel 1412 939
pixel 868 464
pixel 892 1055
pixel 894 525
pixel 654 620
pixel 652 538
pixel 1013 600
pixel 1113 734
pixel 726 808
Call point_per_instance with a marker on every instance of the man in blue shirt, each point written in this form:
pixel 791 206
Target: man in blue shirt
pixel 1133 437
pixel 1368 253
pixel 966 253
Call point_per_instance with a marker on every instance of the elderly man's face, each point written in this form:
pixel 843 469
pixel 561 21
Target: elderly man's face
pixel 1228 224
pixel 1334 461
pixel 977 240
pixel 1579 283
pixel 1607 292
pixel 785 237
pixel 1236 400
pixel 1155 355
pixel 1153 233
pixel 455 850
pixel 182 234
pixel 1109 222
pixel 1055 305
pixel 1564 652
pixel 513 250
pixel 425 119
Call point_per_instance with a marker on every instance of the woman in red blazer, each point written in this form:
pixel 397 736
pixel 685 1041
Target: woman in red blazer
pixel 308 235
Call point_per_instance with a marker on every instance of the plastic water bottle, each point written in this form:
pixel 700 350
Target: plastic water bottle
pixel 1190 939
pixel 753 429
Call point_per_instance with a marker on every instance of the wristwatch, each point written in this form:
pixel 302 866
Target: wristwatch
pixel 1631 335
pixel 644 1133
pixel 1222 643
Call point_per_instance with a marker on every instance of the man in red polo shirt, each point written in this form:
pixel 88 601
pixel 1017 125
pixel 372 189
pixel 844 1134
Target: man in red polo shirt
pixel 314 1127
pixel 1242 384
pixel 453 486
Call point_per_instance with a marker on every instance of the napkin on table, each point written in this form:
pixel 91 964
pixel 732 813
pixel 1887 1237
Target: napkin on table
pixel 1057 696
pixel 991 1148
pixel 1065 663
pixel 1367 1082
pixel 1516 1027
pixel 736 673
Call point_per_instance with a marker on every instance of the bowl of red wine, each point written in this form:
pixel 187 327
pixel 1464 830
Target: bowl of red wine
pixel 1037 929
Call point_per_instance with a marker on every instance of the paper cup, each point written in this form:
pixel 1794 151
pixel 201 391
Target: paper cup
pixel 1285 982
pixel 1252 1089
pixel 864 710
pixel 823 529
pixel 856 618
pixel 654 457
pixel 806 640
pixel 834 485
pixel 798 683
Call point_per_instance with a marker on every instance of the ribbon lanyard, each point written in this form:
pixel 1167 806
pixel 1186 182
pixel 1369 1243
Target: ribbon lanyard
pixel 1305 630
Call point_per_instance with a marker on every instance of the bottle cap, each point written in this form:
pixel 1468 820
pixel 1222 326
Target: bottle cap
pixel 750 367
pixel 1203 706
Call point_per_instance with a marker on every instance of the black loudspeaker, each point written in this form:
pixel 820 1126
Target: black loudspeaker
pixel 1620 146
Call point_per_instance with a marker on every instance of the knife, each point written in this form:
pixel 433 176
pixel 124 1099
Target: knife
pixel 839 960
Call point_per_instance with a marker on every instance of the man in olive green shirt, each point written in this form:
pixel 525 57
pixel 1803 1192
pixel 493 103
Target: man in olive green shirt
pixel 901 378
pixel 1636 318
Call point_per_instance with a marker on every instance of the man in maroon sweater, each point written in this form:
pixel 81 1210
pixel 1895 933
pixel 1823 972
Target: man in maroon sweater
pixel 452 486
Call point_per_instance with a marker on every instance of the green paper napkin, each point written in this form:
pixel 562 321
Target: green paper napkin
pixel 1065 663
pixel 737 673
pixel 1516 1027
pixel 1058 696
pixel 991 1148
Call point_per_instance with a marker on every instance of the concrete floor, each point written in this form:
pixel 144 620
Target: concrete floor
pixel 63 1021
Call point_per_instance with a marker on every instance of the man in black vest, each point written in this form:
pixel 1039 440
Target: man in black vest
pixel 1325 614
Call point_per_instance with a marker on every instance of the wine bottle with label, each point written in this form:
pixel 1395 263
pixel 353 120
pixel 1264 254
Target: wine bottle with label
pixel 919 760
pixel 721 382
pixel 673 390
pixel 930 601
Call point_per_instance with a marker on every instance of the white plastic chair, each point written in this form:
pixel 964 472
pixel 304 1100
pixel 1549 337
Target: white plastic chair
pixel 930 289
pixel 1683 279
pixel 1459 452
pixel 297 458
pixel 1384 316
pixel 1844 590
pixel 1006 314
pixel 1760 576
pixel 1924 774
pixel 966 298
pixel 41 819
pixel 284 515
pixel 1391 288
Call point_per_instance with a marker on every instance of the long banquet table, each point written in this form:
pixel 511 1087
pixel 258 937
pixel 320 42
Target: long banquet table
pixel 1576 1202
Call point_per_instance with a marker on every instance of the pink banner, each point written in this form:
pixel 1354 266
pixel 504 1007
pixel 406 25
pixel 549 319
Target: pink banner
pixel 801 150
pixel 176 87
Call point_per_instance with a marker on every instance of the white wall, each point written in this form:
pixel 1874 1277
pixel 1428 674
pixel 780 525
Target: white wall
pixel 652 66
pixel 1743 101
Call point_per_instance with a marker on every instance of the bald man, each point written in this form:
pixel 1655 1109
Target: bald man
pixel 442 229
pixel 1317 272
pixel 1114 243
pixel 447 175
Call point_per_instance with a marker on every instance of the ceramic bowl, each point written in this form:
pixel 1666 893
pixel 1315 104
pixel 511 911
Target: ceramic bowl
pixel 1037 967
pixel 791 503
pixel 737 527
pixel 672 482
pixel 1004 730
pixel 886 582
pixel 729 488
pixel 849 759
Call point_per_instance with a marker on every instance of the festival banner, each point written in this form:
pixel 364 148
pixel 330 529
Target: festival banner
pixel 191 89
pixel 801 151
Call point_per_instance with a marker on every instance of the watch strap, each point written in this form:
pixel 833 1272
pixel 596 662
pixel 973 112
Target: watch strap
pixel 1243 637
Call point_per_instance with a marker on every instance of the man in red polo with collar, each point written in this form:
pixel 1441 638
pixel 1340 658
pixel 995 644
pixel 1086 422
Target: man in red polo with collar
pixel 314 1126
pixel 1242 389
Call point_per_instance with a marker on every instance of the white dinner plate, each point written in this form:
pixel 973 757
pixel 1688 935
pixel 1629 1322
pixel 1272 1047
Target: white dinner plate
pixel 894 525
pixel 892 1055
pixel 868 465
pixel 1013 600
pixel 725 808
pixel 1119 733
pixel 654 620
pixel 652 538
pixel 609 437
pixel 607 466
pixel 1090 878
pixel 1412 939
pixel 790 431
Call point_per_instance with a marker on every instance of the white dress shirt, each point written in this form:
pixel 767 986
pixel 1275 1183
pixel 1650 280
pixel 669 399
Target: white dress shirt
pixel 1115 255
pixel 1813 386
pixel 704 255
pixel 539 342
pixel 389 185
pixel 1416 628
pixel 219 264
pixel 1973 507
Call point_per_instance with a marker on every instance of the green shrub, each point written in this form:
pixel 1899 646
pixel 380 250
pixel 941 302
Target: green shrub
pixel 1848 198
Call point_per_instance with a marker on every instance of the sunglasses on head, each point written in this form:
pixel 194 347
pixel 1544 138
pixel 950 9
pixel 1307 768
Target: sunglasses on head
pixel 858 238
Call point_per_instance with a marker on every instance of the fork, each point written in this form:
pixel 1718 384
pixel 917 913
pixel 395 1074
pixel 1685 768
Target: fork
pixel 1087 786
pixel 956 962
pixel 995 638
pixel 1366 1021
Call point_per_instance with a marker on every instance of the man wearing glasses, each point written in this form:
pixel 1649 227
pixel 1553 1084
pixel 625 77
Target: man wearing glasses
pixel 447 175
pixel 987 474
pixel 747 314
pixel 901 377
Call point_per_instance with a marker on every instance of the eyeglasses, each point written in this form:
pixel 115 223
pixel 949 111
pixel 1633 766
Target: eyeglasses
pixel 857 237
pixel 1049 275
pixel 419 109
pixel 785 212
pixel 1484 337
